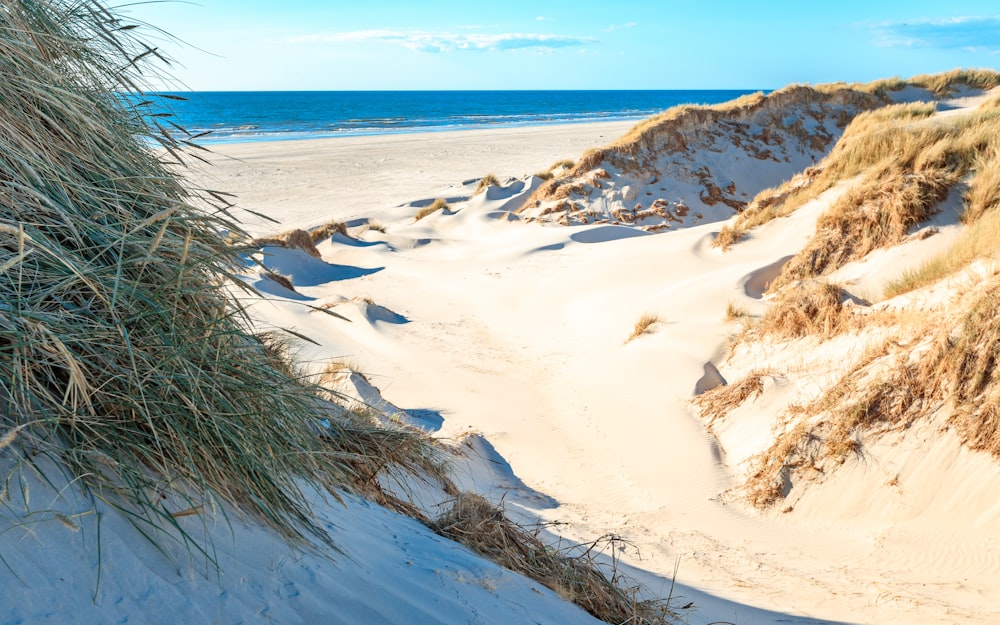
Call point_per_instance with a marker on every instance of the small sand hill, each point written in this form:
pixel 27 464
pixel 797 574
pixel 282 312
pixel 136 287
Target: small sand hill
pixel 696 164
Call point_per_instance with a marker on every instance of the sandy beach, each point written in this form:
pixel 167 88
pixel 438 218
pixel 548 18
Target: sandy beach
pixel 301 183
pixel 520 332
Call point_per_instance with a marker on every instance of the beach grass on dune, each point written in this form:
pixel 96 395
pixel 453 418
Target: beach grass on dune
pixel 124 357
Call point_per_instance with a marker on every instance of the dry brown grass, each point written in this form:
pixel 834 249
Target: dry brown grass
pixel 945 84
pixel 807 308
pixel 984 187
pixel 278 278
pixel 912 169
pixel 962 366
pixel 557 168
pixel 437 205
pixel 878 212
pixel 723 399
pixel 735 313
pixel 327 230
pixel 294 239
pixel 373 224
pixel 643 326
pixel 771 472
pixel 487 181
pixel 981 240
pixel 887 137
pixel 949 367
pixel 485 529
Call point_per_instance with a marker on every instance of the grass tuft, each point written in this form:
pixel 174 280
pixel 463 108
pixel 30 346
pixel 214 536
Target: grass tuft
pixel 643 326
pixel 433 207
pixel 807 308
pixel 327 230
pixel 487 181
pixel 721 400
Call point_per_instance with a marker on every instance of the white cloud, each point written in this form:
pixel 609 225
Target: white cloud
pixel 446 42
pixel 956 33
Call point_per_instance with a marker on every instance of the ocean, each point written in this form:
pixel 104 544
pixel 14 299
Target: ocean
pixel 276 115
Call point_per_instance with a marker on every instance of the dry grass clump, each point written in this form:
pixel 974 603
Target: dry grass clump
pixel 561 166
pixel 643 326
pixel 942 85
pixel 487 181
pixel 770 474
pixel 914 168
pixel 721 400
pixel 810 307
pixel 373 224
pixel 984 187
pixel 433 207
pixel 294 239
pixel 278 278
pixel 735 313
pixel 485 529
pixel 878 212
pixel 327 230
pixel 963 366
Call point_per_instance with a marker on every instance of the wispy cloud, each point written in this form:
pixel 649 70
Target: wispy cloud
pixel 955 33
pixel 423 41
pixel 625 25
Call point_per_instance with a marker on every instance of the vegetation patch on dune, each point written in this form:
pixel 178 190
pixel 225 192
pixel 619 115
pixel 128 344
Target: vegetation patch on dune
pixel 655 176
pixel 123 356
pixel 437 205
pixel 907 161
pixel 485 529
pixel 949 369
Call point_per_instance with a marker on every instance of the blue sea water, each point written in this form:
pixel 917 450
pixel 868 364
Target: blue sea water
pixel 279 115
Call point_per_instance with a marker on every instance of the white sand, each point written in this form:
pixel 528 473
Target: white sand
pixel 516 331
pixel 307 182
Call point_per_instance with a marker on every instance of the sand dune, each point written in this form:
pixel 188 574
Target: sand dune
pixel 518 333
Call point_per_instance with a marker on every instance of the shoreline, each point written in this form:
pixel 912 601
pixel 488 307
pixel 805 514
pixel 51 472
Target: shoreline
pixel 306 182
pixel 208 141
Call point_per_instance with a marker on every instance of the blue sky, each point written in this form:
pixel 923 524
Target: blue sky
pixel 574 44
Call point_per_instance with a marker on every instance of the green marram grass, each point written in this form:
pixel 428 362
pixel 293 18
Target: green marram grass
pixel 124 356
